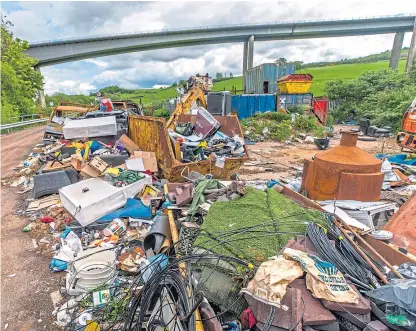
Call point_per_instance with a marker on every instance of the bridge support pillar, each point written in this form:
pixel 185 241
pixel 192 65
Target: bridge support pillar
pixel 41 94
pixel 245 64
pixel 412 51
pixel 396 50
pixel 250 52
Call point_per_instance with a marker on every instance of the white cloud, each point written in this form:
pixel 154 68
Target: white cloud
pixel 160 86
pixel 98 63
pixel 68 87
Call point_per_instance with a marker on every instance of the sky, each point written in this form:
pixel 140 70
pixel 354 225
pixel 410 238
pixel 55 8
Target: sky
pixel 39 21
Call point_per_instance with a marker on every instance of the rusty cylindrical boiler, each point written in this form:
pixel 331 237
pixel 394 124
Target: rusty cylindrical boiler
pixel 344 172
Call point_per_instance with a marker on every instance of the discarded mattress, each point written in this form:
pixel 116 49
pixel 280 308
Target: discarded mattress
pixel 91 127
pixel 88 200
pixel 50 182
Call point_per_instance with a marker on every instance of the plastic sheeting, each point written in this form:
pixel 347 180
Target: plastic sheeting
pixel 400 292
pixel 407 270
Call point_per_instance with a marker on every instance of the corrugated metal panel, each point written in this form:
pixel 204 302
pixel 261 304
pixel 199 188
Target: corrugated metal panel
pixel 295 99
pixel 246 105
pixel 266 72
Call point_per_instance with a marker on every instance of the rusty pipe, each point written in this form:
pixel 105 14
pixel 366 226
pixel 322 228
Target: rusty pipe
pixel 364 256
pixel 370 248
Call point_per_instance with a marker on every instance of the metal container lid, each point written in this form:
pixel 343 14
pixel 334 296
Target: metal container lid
pixel 347 152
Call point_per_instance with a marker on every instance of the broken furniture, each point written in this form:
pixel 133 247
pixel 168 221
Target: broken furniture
pixel 344 172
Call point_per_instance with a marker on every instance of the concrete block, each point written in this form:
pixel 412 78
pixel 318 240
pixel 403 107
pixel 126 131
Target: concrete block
pixel 327 327
pixel 376 326
pixel 282 319
pixel 315 312
pixel 210 322
pixel 362 307
pixel 360 320
pixel 301 244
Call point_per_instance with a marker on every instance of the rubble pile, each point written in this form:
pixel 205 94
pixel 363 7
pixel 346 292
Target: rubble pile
pixel 201 253
pixel 204 140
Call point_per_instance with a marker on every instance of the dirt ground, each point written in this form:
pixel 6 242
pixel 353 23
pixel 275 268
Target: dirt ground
pixel 26 282
pixel 29 290
pixel 274 160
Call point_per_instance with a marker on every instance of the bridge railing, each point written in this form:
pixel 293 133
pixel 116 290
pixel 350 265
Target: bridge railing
pixel 40 43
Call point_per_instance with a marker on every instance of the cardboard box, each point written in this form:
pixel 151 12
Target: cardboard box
pixel 149 160
pixel 76 162
pixel 129 144
pixel 98 164
pixel 89 172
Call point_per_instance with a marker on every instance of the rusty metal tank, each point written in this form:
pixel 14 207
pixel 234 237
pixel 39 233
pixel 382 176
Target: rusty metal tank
pixel 344 172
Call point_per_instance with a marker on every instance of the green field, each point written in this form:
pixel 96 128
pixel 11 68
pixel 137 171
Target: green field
pixel 342 71
pixel 320 76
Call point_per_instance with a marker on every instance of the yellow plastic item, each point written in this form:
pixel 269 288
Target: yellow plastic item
pixel 92 326
pixel 112 171
pixel 294 87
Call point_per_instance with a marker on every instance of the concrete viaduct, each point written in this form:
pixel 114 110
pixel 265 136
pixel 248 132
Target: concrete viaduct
pixel 60 51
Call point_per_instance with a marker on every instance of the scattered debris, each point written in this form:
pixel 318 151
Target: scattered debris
pixel 151 237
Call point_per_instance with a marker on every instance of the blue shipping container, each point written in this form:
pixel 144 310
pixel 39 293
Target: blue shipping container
pixel 246 105
pixel 285 100
pixel 262 79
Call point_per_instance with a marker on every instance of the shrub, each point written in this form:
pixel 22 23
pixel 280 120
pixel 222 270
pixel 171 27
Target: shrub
pixel 305 123
pixel 280 131
pixel 295 109
pixel 161 112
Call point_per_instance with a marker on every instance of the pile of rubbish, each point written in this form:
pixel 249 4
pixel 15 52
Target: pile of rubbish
pixel 204 140
pixel 142 252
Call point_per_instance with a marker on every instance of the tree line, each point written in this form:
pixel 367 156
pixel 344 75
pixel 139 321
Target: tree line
pixel 20 82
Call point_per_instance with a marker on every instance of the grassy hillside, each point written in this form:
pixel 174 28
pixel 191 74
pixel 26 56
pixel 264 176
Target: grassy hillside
pixel 320 76
pixel 342 71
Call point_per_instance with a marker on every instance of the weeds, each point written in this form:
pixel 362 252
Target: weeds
pixel 279 126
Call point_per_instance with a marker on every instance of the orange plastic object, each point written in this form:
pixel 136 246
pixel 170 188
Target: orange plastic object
pixel 344 172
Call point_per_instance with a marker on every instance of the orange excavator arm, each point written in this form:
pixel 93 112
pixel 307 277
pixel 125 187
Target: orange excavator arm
pixel 184 107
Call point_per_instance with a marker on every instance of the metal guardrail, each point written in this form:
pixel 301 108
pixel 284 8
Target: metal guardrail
pixel 22 123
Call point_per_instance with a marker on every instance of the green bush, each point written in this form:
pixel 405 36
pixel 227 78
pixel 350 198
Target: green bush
pixel 275 116
pixel 305 123
pixel 386 108
pixel 295 109
pixel 161 112
pixel 280 131
pixel 382 95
